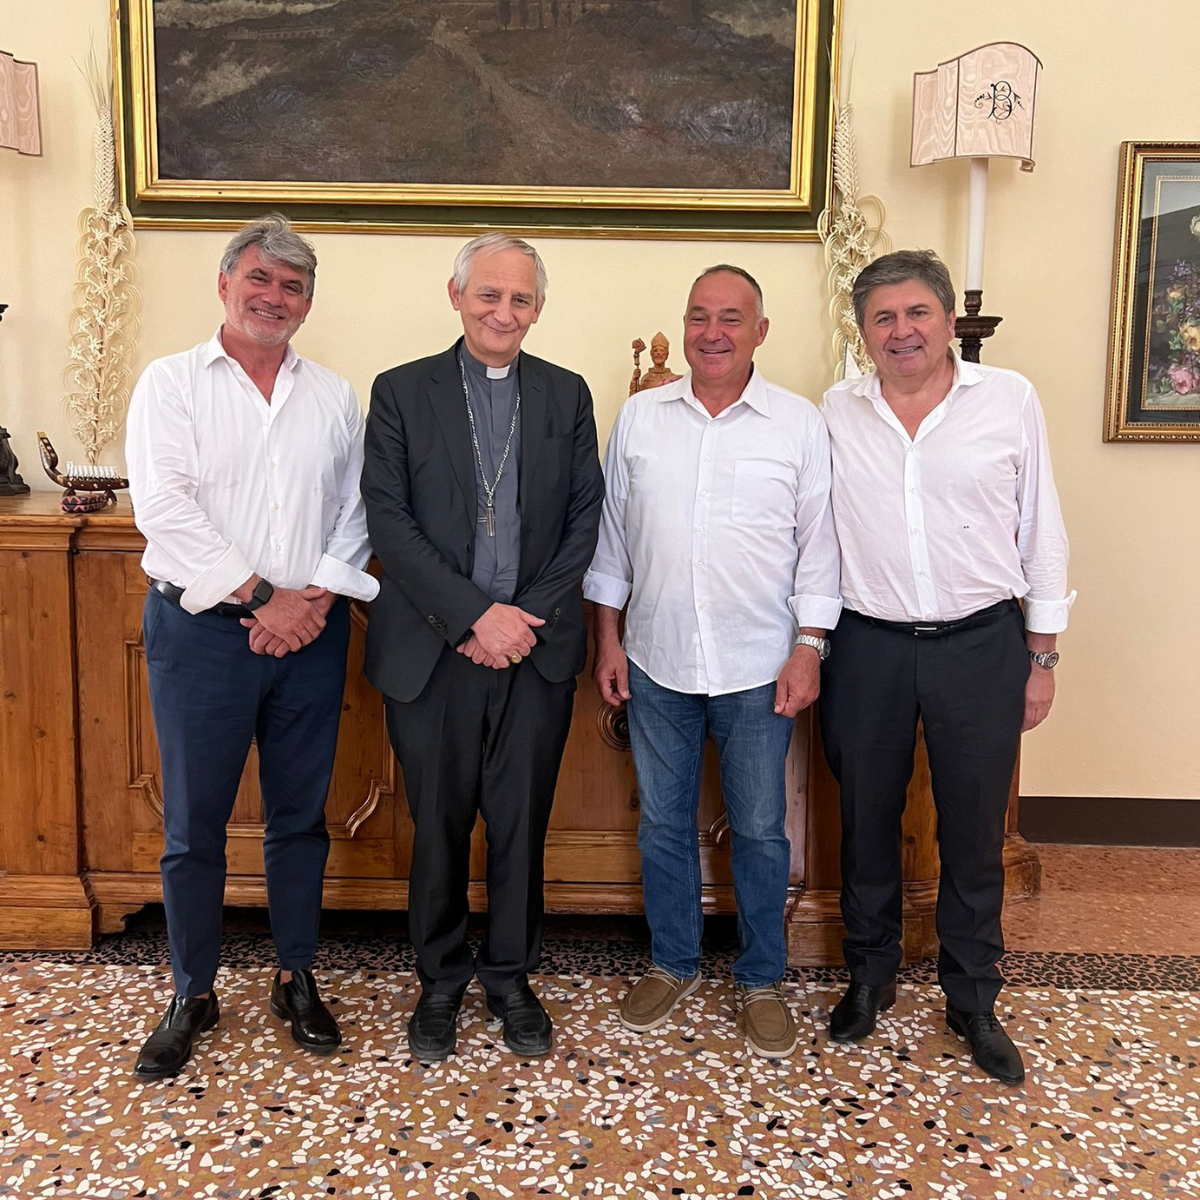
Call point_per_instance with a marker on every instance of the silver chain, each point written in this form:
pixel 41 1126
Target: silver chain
pixel 488 491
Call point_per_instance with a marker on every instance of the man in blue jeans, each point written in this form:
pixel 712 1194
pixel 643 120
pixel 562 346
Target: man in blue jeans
pixel 717 531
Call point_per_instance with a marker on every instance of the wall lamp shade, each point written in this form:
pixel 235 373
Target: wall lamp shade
pixel 979 105
pixel 20 126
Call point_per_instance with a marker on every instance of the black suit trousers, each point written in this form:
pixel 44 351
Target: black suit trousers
pixel 966 685
pixel 479 741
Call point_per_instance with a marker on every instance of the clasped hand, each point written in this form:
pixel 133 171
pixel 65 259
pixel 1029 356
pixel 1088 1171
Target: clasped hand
pixel 501 637
pixel 292 618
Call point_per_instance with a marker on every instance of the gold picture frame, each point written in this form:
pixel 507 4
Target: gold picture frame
pixel 1153 392
pixel 252 62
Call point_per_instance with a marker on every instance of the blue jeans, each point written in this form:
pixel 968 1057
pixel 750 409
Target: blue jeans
pixel 667 731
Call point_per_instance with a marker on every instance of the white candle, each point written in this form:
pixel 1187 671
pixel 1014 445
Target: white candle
pixel 976 219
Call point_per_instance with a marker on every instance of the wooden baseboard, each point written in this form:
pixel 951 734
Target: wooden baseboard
pixel 1110 820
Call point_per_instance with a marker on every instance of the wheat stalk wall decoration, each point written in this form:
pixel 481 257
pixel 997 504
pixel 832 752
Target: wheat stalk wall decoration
pixel 103 326
pixel 851 241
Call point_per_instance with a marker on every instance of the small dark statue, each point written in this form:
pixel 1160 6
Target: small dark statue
pixel 11 483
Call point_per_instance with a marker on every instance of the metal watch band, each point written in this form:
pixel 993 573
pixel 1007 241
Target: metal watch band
pixel 820 645
pixel 1046 659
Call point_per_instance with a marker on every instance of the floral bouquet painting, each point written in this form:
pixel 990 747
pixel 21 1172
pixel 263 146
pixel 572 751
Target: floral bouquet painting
pixel 1173 366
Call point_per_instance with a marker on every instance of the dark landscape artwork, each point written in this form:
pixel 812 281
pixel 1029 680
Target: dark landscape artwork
pixel 583 94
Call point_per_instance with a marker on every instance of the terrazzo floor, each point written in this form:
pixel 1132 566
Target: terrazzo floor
pixel 1109 1026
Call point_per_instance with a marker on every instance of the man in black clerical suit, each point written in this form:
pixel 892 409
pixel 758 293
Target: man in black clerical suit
pixel 483 491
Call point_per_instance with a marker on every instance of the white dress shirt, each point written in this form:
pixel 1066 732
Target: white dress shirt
pixel 961 516
pixel 718 532
pixel 225 485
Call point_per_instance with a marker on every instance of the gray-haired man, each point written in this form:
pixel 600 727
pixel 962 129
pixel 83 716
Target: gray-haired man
pixel 244 462
pixel 483 493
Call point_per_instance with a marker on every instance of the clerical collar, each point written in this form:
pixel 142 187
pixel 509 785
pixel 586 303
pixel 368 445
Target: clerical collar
pixel 473 364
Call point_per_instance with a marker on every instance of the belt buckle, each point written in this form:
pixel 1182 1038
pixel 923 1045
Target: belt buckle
pixel 920 629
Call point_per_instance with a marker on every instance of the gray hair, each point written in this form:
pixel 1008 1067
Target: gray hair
pixel 494 243
pixel 899 267
pixel 742 273
pixel 277 243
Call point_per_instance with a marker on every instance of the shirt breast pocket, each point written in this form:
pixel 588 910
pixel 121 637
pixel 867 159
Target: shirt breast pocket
pixel 764 494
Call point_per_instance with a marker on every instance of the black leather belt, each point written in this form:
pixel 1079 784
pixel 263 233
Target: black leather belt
pixel 174 593
pixel 939 628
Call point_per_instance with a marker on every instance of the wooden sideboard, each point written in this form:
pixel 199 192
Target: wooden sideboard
pixel 81 807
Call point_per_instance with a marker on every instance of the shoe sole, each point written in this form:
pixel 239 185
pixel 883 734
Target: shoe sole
pixel 431 1058
pixel 961 1030
pixel 276 1011
pixel 205 1028
pixel 646 1026
pixel 849 1041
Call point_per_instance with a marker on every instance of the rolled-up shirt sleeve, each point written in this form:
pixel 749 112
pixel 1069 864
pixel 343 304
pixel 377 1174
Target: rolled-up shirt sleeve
pixel 1041 534
pixel 609 580
pixel 347 549
pixel 816 601
pixel 160 451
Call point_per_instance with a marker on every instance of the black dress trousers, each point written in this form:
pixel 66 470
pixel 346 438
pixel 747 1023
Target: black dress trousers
pixel 479 741
pixel 966 683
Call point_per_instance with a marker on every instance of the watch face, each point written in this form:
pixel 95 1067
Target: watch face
pixel 1049 660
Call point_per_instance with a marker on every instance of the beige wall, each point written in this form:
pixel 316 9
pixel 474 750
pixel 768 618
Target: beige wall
pixel 1127 721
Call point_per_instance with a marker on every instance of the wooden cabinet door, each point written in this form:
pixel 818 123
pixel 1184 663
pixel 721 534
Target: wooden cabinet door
pixel 122 794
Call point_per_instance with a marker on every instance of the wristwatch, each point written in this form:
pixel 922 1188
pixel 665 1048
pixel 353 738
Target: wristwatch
pixel 263 591
pixel 1047 659
pixel 820 645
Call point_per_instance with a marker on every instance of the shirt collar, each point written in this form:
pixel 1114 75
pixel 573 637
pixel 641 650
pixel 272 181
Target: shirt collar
pixel 965 374
pixel 754 394
pixel 213 350
pixel 483 371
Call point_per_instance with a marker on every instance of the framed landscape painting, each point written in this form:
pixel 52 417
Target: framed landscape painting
pixel 1154 351
pixel 684 118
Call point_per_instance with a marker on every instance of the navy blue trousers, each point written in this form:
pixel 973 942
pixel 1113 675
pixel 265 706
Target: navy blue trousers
pixel 211 694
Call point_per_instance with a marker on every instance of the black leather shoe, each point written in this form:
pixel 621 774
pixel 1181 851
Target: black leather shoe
pixel 433 1026
pixel 991 1047
pixel 170 1045
pixel 313 1026
pixel 853 1016
pixel 527 1027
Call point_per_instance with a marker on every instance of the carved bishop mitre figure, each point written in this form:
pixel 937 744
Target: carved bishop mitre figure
pixel 659 372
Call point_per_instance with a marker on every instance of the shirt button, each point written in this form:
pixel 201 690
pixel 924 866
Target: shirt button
pixel 912 489
pixel 708 458
pixel 699 528
pixel 699 562
pixel 703 492
pixel 914 532
pixel 276 504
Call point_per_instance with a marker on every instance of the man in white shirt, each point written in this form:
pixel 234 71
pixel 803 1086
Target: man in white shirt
pixel 948 517
pixel 244 461
pixel 717 530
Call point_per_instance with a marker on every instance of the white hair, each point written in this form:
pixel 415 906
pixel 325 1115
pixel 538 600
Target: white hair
pixel 276 242
pixel 493 243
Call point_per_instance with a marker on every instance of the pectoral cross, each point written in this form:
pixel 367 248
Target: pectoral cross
pixel 489 519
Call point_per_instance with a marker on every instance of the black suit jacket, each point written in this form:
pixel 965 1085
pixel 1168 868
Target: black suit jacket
pixel 419 481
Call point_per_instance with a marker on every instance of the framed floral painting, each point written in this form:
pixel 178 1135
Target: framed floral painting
pixel 1154 349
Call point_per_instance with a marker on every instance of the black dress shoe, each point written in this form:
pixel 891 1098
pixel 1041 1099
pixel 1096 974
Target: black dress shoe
pixel 313 1026
pixel 433 1026
pixel 853 1016
pixel 527 1027
pixel 170 1045
pixel 991 1047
